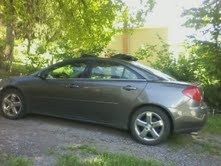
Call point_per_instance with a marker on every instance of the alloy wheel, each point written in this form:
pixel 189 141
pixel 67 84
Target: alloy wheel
pixel 149 126
pixel 11 105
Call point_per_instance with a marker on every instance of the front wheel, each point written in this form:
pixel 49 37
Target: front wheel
pixel 150 125
pixel 12 104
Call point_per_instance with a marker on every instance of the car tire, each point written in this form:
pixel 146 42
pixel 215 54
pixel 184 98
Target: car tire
pixel 150 125
pixel 12 104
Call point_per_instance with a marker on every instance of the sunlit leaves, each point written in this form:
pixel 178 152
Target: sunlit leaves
pixel 206 18
pixel 67 28
pixel 207 52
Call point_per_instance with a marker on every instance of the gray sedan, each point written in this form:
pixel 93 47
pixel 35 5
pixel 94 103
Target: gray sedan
pixel 118 92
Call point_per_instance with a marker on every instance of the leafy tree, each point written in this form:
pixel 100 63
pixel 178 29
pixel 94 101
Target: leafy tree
pixel 206 51
pixel 160 57
pixel 19 18
pixel 201 60
pixel 207 20
pixel 65 27
pixel 187 67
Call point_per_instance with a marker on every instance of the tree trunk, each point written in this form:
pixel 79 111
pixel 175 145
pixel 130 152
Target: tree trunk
pixel 10 34
pixel 1 49
pixel 28 45
pixel 9 45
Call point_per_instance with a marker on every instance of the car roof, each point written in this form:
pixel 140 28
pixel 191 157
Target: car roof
pixel 94 59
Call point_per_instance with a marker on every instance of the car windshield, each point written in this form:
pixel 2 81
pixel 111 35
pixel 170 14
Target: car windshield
pixel 154 71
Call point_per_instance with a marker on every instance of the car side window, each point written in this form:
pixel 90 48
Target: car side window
pixel 107 71
pixel 69 71
pixel 129 75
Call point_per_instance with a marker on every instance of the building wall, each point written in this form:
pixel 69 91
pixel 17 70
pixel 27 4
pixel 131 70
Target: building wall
pixel 131 42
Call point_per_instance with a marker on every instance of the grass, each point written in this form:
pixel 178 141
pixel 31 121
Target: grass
pixel 206 142
pixel 210 148
pixel 97 158
pixel 203 146
pixel 6 160
pixel 84 148
pixel 199 146
pixel 179 141
pixel 213 125
pixel 106 159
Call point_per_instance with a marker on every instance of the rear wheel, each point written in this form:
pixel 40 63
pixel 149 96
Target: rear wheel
pixel 12 104
pixel 150 125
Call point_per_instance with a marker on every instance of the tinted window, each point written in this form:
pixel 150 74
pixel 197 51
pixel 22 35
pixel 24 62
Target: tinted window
pixel 106 70
pixel 129 75
pixel 69 71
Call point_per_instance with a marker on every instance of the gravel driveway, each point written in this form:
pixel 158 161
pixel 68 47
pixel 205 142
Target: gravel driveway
pixel 35 135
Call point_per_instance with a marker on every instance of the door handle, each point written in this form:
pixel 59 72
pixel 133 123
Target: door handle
pixel 129 88
pixel 72 86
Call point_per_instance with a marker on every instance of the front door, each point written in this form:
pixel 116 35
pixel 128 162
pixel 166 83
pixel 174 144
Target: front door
pixel 58 93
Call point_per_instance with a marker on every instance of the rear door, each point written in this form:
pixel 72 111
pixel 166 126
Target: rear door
pixel 109 93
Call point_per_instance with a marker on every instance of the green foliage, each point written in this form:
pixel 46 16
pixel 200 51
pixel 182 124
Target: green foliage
pixel 206 19
pixel 160 57
pixel 36 61
pixel 84 148
pixel 68 161
pixel 206 54
pixel 19 162
pixel 198 64
pixel 146 52
pixel 213 125
pixel 2 43
pixel 212 94
pixel 199 144
pixel 129 17
pixel 87 155
pixel 17 70
pixel 82 27
pixel 207 61
pixel 7 160
pixel 201 60
pixel 66 28
pixel 106 159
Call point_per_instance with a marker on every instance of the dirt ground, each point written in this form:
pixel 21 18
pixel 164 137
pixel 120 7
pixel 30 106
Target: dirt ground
pixel 35 136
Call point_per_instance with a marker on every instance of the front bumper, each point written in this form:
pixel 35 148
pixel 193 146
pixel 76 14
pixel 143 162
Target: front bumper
pixel 189 117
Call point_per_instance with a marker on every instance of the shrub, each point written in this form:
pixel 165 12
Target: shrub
pixel 196 64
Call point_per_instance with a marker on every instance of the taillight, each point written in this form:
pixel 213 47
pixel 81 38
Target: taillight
pixel 194 93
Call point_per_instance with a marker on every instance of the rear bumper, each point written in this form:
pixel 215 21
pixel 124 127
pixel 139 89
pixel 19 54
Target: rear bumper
pixel 189 119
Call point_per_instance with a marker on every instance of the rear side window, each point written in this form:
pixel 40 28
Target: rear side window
pixel 129 75
pixel 155 73
pixel 108 70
